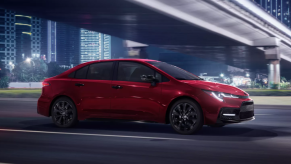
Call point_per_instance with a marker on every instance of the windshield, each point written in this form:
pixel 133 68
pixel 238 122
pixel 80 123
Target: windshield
pixel 174 71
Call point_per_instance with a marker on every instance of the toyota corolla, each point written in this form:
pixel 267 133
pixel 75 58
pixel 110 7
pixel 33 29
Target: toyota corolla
pixel 141 89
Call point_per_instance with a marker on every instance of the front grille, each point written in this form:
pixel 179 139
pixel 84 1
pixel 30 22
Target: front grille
pixel 245 115
pixel 244 112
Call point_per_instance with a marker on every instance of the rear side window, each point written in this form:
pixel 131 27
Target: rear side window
pixel 81 73
pixel 100 71
pixel 72 75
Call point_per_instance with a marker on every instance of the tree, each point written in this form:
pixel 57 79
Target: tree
pixel 4 80
pixel 2 69
pixel 283 79
pixel 54 69
pixel 30 71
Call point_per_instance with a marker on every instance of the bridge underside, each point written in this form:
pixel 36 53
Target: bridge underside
pixel 135 22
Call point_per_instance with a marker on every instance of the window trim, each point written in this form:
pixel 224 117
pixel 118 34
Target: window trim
pixel 115 78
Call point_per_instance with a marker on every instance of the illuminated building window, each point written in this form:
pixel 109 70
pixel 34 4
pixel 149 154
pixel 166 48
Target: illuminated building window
pixel 94 46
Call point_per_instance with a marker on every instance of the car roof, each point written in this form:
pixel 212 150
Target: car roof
pixel 97 61
pixel 123 59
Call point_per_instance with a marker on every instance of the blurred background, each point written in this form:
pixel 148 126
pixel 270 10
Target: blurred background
pixel 33 47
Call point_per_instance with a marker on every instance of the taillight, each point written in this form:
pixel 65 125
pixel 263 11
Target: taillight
pixel 44 84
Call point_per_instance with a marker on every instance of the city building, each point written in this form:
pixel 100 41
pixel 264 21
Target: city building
pixel 19 37
pixel 48 41
pixel 94 46
pixel 23 37
pixel 106 46
pixel 7 37
pixel 278 8
pixel 67 45
pixel 52 40
pixel 35 37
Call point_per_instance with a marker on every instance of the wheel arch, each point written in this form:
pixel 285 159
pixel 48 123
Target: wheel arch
pixel 167 121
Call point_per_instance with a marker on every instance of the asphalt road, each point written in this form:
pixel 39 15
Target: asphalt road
pixel 26 137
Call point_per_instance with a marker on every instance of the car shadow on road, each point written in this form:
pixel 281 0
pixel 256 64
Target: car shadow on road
pixel 239 132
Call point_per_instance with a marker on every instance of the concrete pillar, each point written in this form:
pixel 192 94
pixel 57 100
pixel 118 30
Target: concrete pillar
pixel 273 56
pixel 274 72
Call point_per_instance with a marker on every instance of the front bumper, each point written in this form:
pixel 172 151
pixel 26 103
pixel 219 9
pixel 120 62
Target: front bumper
pixel 235 115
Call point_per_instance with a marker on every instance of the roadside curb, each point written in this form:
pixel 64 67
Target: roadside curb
pixel 286 107
pixel 18 99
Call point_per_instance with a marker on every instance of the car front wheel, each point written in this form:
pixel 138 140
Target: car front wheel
pixel 64 113
pixel 186 117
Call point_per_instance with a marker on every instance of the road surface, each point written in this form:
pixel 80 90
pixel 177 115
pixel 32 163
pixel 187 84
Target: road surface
pixel 26 137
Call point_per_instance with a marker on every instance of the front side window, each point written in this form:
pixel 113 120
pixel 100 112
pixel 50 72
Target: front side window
pixel 100 71
pixel 131 71
pixel 174 71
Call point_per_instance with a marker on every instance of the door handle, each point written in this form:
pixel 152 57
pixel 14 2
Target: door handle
pixel 117 87
pixel 79 84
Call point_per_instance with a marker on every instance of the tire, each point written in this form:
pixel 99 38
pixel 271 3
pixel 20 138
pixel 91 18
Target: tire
pixel 217 125
pixel 186 117
pixel 64 113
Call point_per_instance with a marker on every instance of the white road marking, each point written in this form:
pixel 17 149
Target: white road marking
pixel 88 134
pixel 140 122
pixel 263 114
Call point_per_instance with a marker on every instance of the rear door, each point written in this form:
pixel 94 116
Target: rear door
pixel 92 85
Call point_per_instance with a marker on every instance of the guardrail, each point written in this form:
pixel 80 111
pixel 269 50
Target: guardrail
pixel 25 85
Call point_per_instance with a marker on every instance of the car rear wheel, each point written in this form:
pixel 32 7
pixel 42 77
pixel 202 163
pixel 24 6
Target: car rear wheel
pixel 186 117
pixel 64 113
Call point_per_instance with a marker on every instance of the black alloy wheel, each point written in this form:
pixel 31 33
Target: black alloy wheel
pixel 64 113
pixel 186 117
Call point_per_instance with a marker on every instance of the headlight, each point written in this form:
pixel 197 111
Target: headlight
pixel 220 95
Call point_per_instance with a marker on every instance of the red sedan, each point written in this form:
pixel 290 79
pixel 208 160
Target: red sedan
pixel 148 90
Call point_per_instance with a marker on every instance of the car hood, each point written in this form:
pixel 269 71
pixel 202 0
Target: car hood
pixel 212 86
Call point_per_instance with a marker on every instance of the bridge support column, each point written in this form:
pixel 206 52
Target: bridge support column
pixel 273 56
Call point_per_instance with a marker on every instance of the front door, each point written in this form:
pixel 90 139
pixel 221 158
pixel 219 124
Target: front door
pixel 132 97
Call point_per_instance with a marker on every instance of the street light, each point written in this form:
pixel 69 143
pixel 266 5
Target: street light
pixel 11 66
pixel 221 75
pixel 28 60
pixel 248 75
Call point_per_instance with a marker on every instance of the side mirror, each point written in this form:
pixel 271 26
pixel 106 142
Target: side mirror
pixel 149 78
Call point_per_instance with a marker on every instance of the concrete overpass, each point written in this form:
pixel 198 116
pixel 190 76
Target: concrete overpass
pixel 237 32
